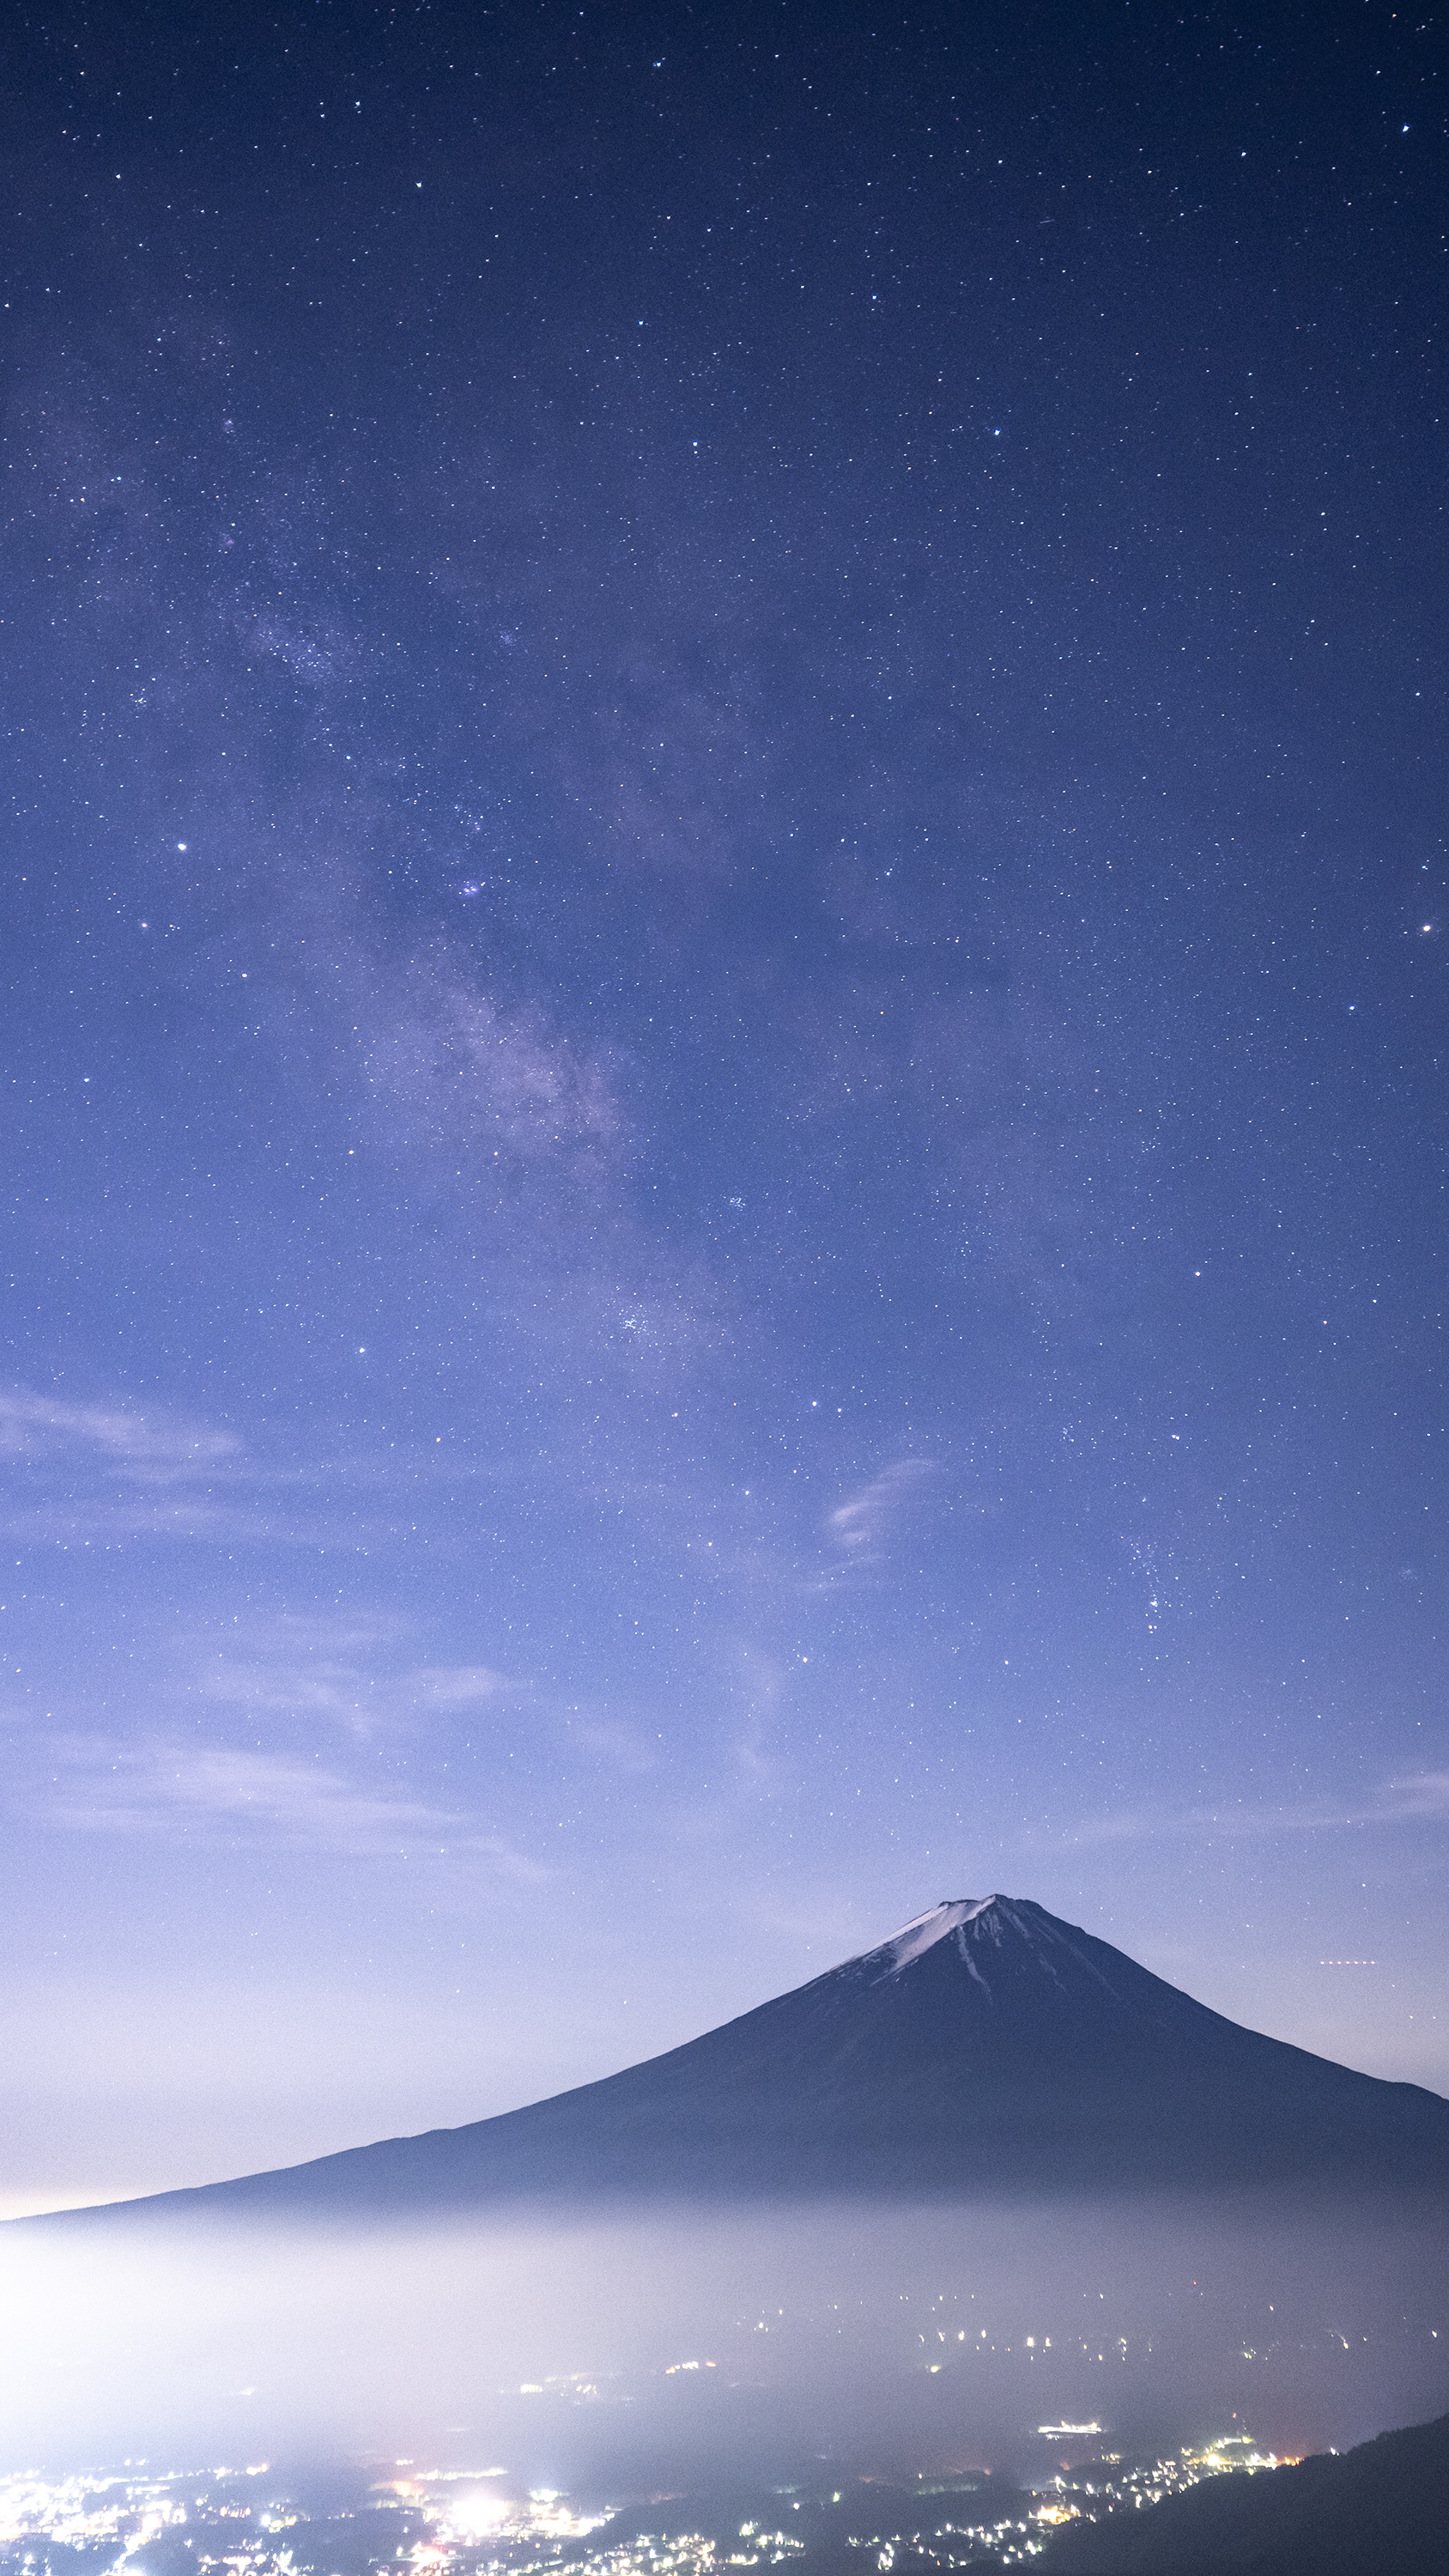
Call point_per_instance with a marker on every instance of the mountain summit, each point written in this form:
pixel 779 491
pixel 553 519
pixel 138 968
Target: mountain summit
pixel 985 2046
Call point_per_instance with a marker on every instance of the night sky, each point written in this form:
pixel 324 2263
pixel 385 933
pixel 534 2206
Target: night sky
pixel 723 1044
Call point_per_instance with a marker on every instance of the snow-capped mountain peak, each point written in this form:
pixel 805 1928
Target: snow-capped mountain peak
pixel 923 1931
pixel 985 2046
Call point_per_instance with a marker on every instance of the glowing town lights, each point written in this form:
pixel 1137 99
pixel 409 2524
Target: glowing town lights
pixel 478 2513
pixel 461 2512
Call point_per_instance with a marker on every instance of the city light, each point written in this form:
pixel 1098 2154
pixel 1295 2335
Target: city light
pixel 475 2523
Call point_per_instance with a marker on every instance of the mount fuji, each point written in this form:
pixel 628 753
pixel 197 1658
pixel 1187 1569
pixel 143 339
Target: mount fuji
pixel 985 2047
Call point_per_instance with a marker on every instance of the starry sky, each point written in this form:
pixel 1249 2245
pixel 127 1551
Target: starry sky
pixel 722 1056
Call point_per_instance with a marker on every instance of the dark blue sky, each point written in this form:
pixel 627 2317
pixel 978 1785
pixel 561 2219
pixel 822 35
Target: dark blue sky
pixel 725 994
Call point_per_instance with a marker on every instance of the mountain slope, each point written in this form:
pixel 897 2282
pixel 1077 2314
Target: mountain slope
pixel 1382 2507
pixel 985 2046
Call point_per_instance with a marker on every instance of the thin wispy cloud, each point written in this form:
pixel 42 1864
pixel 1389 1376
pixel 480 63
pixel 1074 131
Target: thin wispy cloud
pixel 100 1474
pixel 1421 1793
pixel 456 1685
pixel 152 1446
pixel 258 1635
pixel 1418 1796
pixel 353 1695
pixel 226 1792
pixel 614 1746
pixel 860 1524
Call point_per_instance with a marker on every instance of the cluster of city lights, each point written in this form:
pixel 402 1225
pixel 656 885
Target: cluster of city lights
pixel 472 2522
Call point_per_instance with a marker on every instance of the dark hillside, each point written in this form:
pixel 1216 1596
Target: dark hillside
pixel 1380 2510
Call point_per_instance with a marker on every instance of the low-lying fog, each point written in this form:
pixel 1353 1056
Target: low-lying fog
pixel 655 2346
